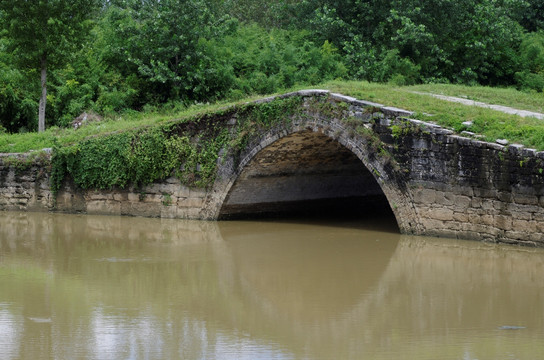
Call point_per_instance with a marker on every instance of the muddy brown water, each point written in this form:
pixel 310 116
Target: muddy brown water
pixel 92 287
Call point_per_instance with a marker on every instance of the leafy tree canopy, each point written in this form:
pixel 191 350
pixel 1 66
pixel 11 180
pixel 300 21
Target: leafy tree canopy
pixel 159 40
pixel 44 33
pixel 111 56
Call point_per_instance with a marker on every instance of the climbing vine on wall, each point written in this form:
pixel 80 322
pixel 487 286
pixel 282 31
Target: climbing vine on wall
pixel 255 119
pixel 188 149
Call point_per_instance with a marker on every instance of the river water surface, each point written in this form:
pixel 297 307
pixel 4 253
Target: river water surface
pixel 91 287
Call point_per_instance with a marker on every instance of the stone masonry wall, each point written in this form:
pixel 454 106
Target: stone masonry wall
pixel 167 199
pixel 477 190
pixel 26 188
pixel 437 183
pixel 24 183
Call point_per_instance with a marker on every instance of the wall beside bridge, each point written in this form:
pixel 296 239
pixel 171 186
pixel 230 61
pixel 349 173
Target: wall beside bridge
pixel 334 153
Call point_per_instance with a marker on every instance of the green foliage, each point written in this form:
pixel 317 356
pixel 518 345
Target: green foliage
pixel 530 81
pixel 531 15
pixel 400 71
pixel 532 52
pixel 532 60
pixel 401 130
pixel 42 35
pixel 133 157
pixel 100 163
pixel 266 13
pixel 188 149
pixel 439 40
pixel 164 43
pixel 122 67
pixel 107 161
pixel 44 28
pixel 116 56
pixel 18 107
pixel 166 199
pixel 266 61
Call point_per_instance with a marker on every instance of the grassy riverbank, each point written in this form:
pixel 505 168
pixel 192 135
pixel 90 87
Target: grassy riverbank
pixel 491 124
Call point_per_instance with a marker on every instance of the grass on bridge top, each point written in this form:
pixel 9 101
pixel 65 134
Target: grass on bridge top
pixel 491 124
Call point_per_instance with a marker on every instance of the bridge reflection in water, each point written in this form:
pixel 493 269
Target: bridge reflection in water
pixel 109 287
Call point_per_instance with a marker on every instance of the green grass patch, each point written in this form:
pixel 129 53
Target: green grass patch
pixel 491 124
pixel 531 101
pixel 129 121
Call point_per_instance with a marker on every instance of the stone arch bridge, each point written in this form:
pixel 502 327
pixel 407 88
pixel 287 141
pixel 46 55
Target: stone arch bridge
pixel 336 153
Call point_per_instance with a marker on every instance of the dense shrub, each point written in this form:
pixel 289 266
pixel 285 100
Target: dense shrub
pixel 265 61
pixel 18 105
pixel 532 62
pixel 248 60
pixel 436 40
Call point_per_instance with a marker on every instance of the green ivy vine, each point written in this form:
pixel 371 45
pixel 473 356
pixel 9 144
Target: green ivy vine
pixel 188 149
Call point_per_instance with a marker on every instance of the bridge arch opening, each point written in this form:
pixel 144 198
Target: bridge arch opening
pixel 305 174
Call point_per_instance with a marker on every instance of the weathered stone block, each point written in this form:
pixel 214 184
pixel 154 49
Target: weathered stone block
pixel 103 207
pixel 132 197
pixel 487 220
pixel 488 204
pixel 190 202
pixel 527 226
pixel 197 193
pixel 169 212
pixel 152 198
pixel 141 209
pixel 515 236
pixel 504 196
pixel 474 228
pixel 122 196
pixel 425 196
pixel 485 193
pixel 441 214
pixel 172 180
pixel 503 222
pixel 428 223
pixel 189 213
pixel 539 215
pixel 525 199
pixel 476 202
pixel 96 195
pixel 444 198
pixel 538 238
pixel 462 217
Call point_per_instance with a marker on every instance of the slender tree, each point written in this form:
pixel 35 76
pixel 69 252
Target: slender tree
pixel 43 34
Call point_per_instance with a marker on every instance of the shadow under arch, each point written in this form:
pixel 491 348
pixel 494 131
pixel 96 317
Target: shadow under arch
pixel 312 166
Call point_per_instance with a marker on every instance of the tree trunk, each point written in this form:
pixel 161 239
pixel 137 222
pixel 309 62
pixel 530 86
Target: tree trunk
pixel 43 97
